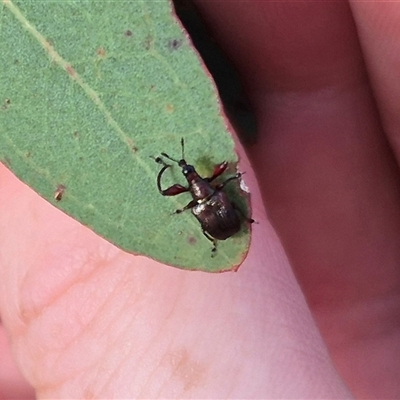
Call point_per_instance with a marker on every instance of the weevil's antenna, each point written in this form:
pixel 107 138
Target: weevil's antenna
pixel 179 162
pixel 183 148
pixel 169 157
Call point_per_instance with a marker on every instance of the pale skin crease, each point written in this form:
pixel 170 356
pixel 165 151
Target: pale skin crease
pixel 87 320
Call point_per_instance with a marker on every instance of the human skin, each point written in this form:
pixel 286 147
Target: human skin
pixel 324 80
pixel 87 320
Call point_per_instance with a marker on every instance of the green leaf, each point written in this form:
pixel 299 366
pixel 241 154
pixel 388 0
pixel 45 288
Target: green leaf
pixel 90 92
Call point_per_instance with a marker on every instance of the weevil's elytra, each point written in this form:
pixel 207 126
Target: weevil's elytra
pixel 217 214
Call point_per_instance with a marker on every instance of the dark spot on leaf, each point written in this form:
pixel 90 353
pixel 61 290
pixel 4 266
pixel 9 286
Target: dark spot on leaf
pixel 128 33
pixel 132 145
pixel 192 240
pixel 71 71
pixel 59 193
pixel 28 154
pixel 76 134
pixel 6 104
pixel 174 44
pixel 101 52
pixel 48 45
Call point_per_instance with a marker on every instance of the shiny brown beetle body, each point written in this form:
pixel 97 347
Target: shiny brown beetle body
pixel 217 214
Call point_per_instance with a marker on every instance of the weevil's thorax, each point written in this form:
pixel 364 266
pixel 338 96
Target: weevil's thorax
pixel 200 188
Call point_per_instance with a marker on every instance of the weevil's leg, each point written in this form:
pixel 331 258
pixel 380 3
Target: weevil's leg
pixel 187 207
pixel 218 170
pixel 232 178
pixel 174 189
pixel 211 239
pixel 245 217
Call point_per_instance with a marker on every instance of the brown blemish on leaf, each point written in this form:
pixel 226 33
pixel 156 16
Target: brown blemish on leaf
pixel 59 193
pixel 170 108
pixel 49 48
pixel 192 240
pixel 70 70
pixel 174 44
pixel 132 146
pixel 101 52
pixel 48 45
pixel 128 33
pixel 76 134
pixel 28 154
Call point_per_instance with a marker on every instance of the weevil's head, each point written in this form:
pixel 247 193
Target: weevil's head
pixel 186 168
